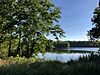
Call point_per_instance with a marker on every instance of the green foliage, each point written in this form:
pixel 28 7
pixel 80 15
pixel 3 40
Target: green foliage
pixel 94 33
pixel 84 43
pixel 25 24
pixel 17 60
pixel 68 44
pixel 61 45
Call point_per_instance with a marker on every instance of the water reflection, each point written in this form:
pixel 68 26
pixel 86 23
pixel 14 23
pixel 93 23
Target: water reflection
pixel 61 57
pixel 84 48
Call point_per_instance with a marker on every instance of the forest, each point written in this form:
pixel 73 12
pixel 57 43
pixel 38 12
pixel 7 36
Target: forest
pixel 84 43
pixel 67 44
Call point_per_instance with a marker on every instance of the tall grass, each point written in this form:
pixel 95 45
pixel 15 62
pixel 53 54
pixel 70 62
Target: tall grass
pixel 23 66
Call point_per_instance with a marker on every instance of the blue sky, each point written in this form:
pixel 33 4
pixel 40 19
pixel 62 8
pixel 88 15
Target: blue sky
pixel 76 17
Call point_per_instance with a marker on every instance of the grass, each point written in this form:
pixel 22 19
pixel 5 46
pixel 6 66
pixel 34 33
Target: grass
pixel 23 66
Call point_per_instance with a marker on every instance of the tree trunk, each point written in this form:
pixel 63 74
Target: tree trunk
pixel 10 42
pixel 0 46
pixel 32 47
pixel 28 48
pixel 0 43
pixel 19 44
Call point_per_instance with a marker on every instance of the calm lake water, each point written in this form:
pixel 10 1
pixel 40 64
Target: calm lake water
pixel 84 48
pixel 65 57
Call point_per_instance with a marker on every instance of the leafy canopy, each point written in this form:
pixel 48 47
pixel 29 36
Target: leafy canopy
pixel 94 33
pixel 26 24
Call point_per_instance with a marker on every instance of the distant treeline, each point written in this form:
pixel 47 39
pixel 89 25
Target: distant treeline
pixel 61 45
pixel 67 44
pixel 83 43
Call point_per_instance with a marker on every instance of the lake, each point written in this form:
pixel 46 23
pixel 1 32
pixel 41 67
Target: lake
pixel 65 57
pixel 62 57
pixel 84 48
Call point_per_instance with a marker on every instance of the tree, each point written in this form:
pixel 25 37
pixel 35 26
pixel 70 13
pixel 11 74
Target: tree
pixel 94 33
pixel 29 22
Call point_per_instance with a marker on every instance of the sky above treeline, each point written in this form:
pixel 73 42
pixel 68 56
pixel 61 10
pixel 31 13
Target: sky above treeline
pixel 76 18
